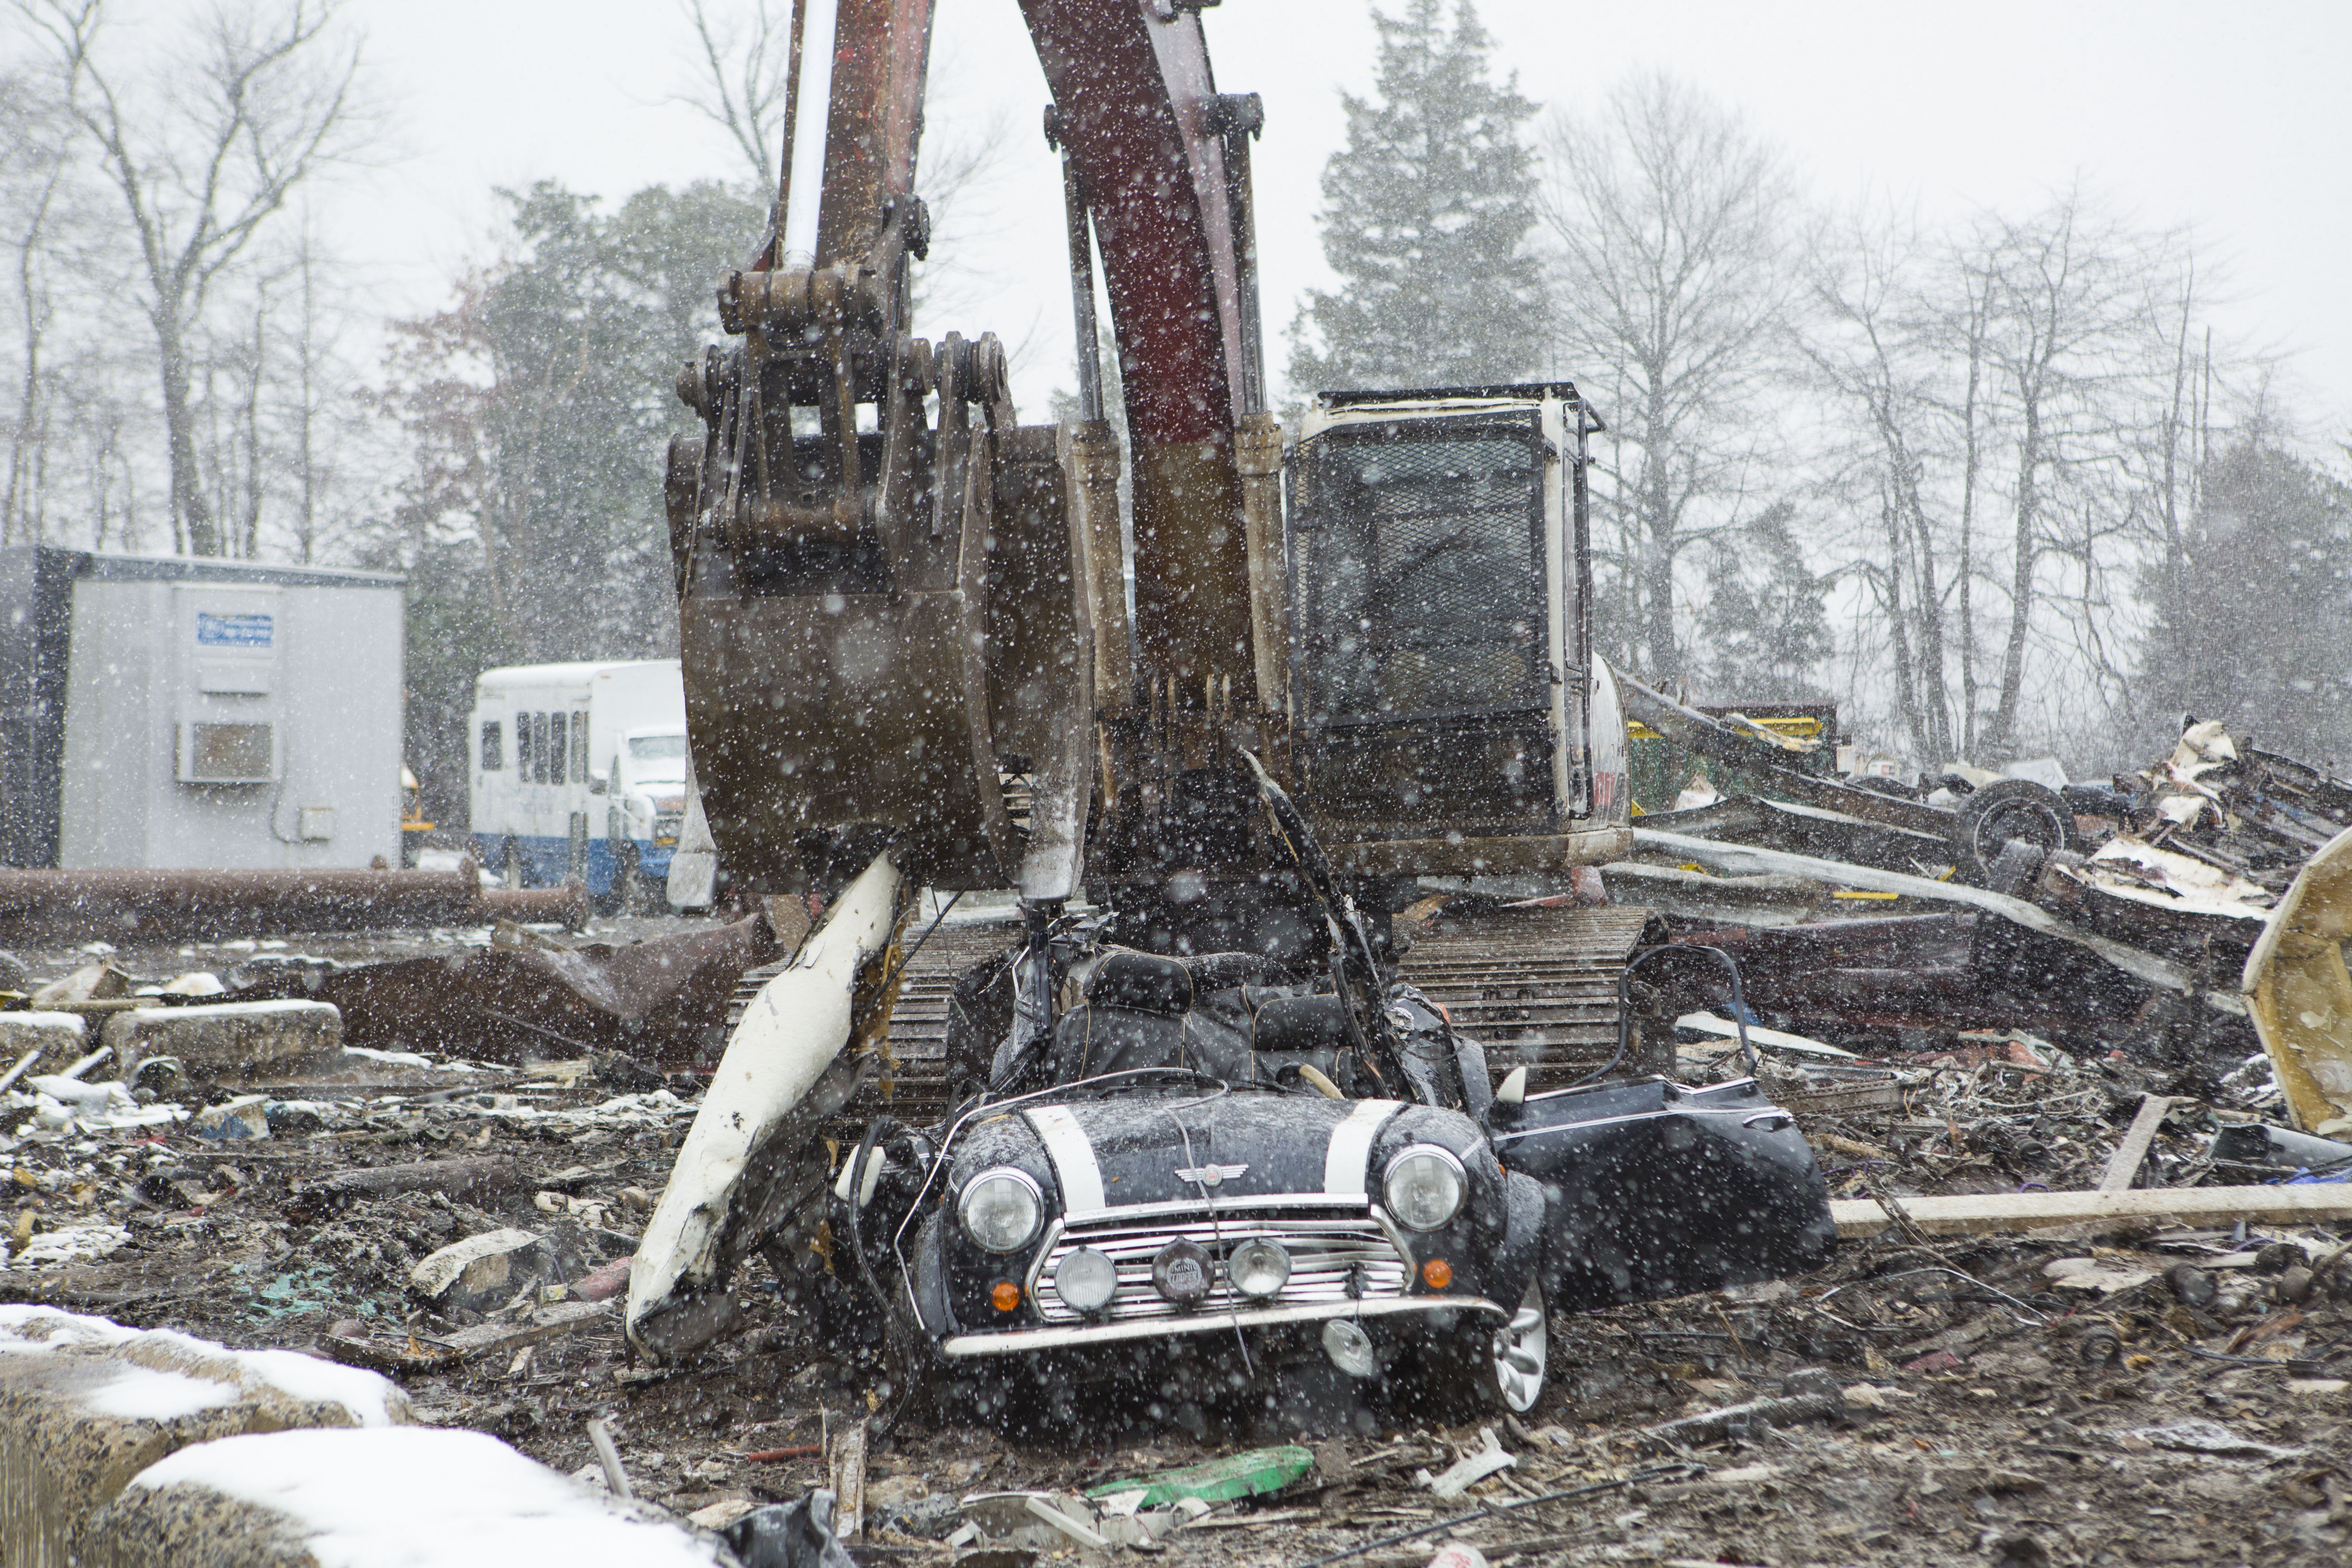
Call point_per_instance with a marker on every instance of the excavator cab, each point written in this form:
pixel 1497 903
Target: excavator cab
pixel 1446 712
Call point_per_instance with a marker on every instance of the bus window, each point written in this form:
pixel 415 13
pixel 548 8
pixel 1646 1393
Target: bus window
pixel 579 747
pixel 554 748
pixel 522 748
pixel 493 752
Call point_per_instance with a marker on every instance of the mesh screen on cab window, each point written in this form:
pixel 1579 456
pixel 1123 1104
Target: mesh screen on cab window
pixel 1420 578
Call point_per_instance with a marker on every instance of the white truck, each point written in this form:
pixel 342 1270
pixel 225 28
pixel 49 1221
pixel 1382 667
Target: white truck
pixel 578 768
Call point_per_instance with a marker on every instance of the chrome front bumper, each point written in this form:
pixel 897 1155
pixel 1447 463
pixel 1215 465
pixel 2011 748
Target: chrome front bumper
pixel 1014 1341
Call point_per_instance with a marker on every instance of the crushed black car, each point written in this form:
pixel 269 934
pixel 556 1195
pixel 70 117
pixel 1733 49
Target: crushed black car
pixel 1175 1156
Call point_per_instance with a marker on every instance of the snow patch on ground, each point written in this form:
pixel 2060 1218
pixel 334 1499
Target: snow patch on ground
pixel 395 1058
pixel 136 1393
pixel 369 1399
pixel 70 1244
pixel 410 1497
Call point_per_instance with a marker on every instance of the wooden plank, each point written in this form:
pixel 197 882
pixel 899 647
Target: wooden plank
pixel 2132 1152
pixel 2008 1212
pixel 496 1338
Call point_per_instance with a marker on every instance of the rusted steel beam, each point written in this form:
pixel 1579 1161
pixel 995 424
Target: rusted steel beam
pixel 142 904
pixel 1134 92
pixel 568 905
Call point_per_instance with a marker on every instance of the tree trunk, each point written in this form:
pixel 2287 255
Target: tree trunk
pixel 1967 566
pixel 1658 548
pixel 20 504
pixel 1905 688
pixel 192 513
pixel 2002 740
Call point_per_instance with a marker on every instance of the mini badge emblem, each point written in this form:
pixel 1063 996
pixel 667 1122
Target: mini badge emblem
pixel 1209 1175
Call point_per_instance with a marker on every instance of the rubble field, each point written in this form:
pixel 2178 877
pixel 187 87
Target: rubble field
pixel 2128 1391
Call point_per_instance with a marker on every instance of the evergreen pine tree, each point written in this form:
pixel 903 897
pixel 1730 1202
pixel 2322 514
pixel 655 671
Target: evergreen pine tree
pixel 2251 625
pixel 1767 614
pixel 1426 218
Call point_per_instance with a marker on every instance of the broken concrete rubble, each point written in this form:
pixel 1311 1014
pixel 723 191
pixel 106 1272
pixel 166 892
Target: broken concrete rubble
pixel 226 1038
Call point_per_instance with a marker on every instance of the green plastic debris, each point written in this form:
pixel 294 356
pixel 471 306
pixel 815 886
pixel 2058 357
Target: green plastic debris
pixel 1251 1474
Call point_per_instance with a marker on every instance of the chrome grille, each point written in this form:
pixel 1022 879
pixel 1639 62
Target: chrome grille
pixel 1327 1253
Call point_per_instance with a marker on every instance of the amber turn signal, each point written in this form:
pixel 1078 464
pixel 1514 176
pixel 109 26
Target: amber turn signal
pixel 1437 1274
pixel 1005 1296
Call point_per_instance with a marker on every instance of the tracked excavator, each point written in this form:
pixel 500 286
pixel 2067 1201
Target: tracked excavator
pixel 1194 1103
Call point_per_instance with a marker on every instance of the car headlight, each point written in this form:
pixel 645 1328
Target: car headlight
pixel 1002 1209
pixel 1258 1268
pixel 1086 1280
pixel 1423 1186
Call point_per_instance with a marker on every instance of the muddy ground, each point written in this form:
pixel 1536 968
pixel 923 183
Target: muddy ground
pixel 2115 1410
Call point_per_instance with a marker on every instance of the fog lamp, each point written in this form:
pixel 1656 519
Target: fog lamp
pixel 1258 1268
pixel 1350 1348
pixel 1180 1273
pixel 1086 1280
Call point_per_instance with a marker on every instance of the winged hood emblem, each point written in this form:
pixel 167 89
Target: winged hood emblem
pixel 1209 1175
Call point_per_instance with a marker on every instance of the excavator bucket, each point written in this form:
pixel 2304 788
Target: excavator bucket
pixel 2300 992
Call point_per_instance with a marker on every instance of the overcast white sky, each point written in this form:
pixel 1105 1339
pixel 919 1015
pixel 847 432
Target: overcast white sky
pixel 2233 118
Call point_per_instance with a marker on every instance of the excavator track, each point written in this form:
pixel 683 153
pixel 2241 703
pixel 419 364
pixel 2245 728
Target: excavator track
pixel 1536 987
pixel 914 1087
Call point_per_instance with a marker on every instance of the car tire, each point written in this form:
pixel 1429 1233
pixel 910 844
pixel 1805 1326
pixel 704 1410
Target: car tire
pixel 1507 1366
pixel 2003 810
pixel 1483 1368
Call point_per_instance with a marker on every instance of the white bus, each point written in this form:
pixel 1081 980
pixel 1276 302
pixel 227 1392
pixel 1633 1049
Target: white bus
pixel 564 747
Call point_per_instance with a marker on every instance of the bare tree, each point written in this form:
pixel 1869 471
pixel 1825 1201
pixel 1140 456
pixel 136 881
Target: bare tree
pixel 35 162
pixel 1868 354
pixel 2064 290
pixel 742 74
pixel 743 79
pixel 204 154
pixel 1672 223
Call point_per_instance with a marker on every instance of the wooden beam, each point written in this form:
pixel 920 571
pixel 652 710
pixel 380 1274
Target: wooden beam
pixel 2132 1152
pixel 2007 1212
pixel 497 1338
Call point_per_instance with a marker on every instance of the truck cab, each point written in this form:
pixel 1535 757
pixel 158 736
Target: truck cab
pixel 1447 711
pixel 646 788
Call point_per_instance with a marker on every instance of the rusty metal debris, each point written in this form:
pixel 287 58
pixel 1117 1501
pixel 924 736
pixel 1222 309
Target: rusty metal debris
pixel 528 995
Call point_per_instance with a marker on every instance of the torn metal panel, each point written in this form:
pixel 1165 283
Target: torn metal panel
pixel 1772 899
pixel 1740 860
pixel 2300 993
pixel 1803 830
pixel 1715 739
pixel 776 1082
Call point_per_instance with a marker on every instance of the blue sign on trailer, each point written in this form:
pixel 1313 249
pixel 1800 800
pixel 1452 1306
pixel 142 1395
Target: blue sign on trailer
pixel 235 631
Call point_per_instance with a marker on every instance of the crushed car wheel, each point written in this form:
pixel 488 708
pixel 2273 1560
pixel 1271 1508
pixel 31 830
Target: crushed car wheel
pixel 1519 1357
pixel 2003 810
pixel 1486 1368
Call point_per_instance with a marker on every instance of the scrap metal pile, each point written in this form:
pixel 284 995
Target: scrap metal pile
pixel 2190 915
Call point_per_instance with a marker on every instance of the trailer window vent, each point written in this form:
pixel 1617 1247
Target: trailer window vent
pixel 227 753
